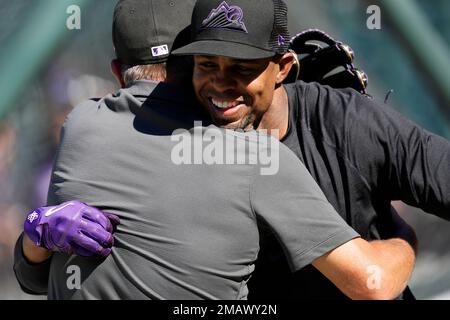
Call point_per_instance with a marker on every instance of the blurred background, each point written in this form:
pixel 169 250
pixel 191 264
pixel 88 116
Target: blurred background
pixel 48 65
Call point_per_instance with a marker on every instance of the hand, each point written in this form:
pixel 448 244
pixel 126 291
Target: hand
pixel 72 227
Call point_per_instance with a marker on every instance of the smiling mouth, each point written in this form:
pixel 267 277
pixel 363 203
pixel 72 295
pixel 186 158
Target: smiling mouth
pixel 225 104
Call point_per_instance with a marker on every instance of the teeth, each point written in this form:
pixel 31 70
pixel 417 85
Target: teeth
pixel 225 104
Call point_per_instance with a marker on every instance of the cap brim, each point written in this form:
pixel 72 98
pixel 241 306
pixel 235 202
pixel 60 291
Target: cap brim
pixel 223 48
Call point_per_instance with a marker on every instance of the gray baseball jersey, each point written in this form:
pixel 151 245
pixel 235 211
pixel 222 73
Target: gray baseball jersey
pixel 194 204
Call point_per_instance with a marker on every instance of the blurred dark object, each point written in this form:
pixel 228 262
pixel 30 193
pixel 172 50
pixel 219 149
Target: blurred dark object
pixel 324 60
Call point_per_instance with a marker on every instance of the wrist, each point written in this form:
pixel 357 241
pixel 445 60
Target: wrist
pixel 32 227
pixel 33 253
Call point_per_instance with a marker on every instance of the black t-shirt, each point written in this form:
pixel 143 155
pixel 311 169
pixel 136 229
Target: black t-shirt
pixel 363 155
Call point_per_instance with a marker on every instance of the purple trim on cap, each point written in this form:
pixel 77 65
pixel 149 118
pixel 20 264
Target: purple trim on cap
pixel 225 17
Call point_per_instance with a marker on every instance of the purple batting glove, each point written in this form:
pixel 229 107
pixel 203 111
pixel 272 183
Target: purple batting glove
pixel 72 227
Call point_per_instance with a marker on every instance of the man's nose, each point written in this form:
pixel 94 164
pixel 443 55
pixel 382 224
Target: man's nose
pixel 223 81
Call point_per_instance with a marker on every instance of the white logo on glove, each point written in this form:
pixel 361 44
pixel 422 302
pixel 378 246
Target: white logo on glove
pixel 53 210
pixel 32 216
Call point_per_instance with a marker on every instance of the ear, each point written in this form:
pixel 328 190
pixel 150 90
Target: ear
pixel 116 68
pixel 285 63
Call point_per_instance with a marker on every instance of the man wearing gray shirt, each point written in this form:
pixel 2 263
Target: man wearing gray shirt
pixel 187 231
pixel 191 222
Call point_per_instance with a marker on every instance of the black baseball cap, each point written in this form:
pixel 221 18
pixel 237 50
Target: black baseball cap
pixel 240 29
pixel 144 30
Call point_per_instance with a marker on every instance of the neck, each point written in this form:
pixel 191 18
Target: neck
pixel 276 119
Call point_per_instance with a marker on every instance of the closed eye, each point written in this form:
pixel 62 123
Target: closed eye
pixel 207 65
pixel 245 70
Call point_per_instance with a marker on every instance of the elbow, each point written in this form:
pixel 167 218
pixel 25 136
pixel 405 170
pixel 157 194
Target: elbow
pixel 375 294
pixel 369 289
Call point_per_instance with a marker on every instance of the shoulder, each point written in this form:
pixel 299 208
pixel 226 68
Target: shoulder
pixel 92 112
pixel 317 99
pixel 82 123
pixel 83 111
pixel 330 113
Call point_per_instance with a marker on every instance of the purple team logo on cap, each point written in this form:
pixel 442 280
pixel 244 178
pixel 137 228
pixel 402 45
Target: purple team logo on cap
pixel 226 17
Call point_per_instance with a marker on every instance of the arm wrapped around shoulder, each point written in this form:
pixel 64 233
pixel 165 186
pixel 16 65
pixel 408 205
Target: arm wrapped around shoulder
pixel 72 227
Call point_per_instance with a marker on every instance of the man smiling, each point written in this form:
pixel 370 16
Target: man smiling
pixel 239 73
pixel 235 91
pixel 186 231
pixel 362 153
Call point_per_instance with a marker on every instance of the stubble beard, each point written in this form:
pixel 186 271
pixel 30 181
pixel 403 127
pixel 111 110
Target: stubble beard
pixel 246 124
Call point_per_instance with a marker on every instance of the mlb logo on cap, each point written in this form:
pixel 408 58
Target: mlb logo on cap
pixel 160 51
pixel 144 31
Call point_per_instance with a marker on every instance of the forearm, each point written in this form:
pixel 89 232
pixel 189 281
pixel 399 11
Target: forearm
pixel 33 253
pixel 33 278
pixel 392 263
pixel 369 270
